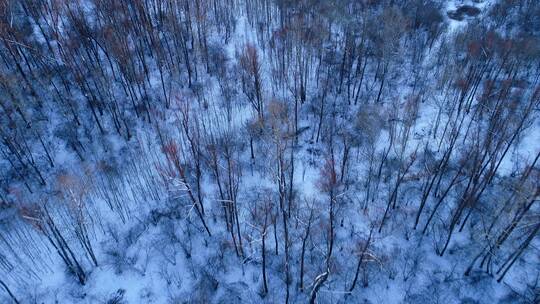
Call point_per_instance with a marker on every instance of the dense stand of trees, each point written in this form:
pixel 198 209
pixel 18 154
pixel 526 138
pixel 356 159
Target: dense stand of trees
pixel 293 135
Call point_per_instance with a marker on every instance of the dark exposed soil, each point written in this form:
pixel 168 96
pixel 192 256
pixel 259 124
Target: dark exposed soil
pixel 463 11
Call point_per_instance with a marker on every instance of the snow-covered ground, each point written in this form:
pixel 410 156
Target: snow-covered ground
pixel 152 249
